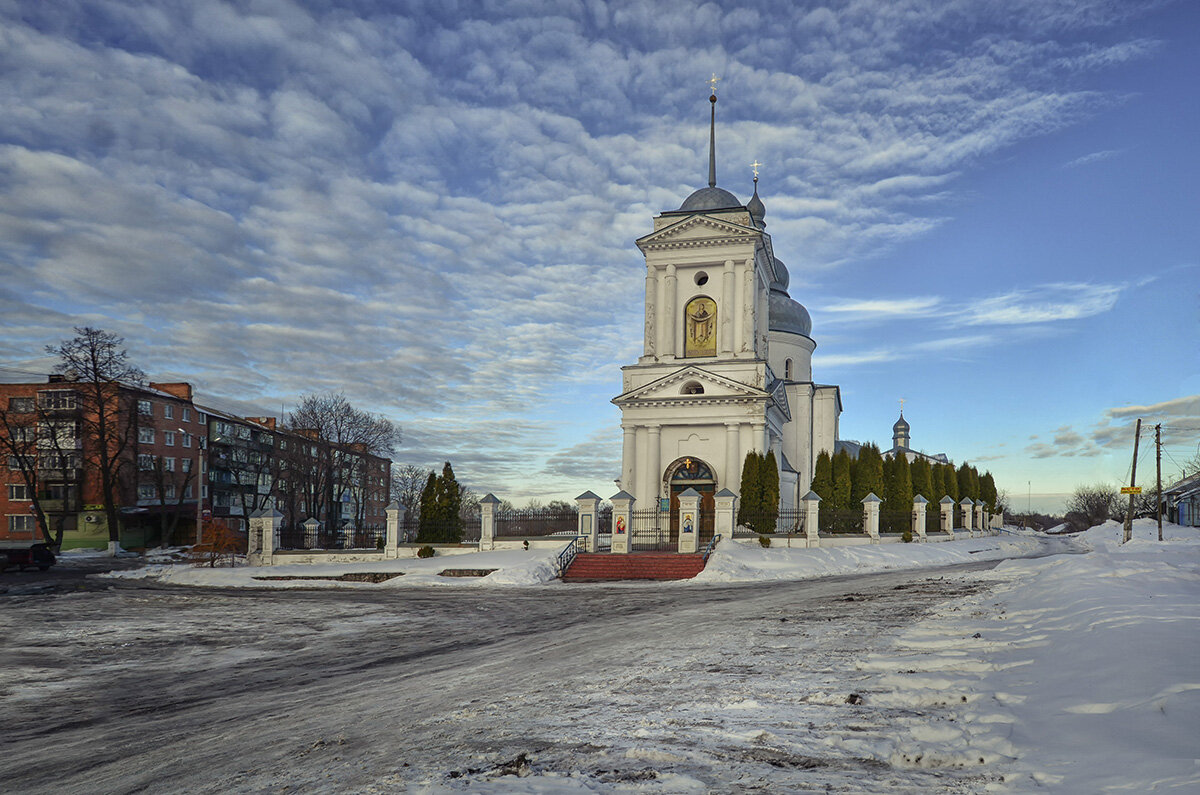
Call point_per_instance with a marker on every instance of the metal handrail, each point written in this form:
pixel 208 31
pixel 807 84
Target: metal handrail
pixel 567 556
pixel 711 546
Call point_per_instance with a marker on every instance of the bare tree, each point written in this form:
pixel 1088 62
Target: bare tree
pixel 407 483
pixel 98 364
pixel 1093 505
pixel 170 489
pixel 343 434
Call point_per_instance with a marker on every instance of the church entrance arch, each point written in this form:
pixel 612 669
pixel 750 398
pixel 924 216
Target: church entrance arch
pixel 686 473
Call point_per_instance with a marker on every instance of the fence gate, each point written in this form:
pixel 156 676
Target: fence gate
pixel 650 531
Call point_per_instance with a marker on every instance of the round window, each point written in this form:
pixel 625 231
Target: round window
pixel 701 279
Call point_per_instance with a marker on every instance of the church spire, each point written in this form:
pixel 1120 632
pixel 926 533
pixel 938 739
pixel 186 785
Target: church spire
pixel 712 133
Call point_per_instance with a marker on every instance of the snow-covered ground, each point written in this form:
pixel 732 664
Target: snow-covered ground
pixel 1075 673
pixel 1072 671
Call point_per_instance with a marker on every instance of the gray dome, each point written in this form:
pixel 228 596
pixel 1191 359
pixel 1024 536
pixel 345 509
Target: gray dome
pixel 710 199
pixel 782 277
pixel 756 208
pixel 901 425
pixel 788 315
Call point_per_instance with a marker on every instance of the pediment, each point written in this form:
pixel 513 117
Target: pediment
pixel 698 230
pixel 671 387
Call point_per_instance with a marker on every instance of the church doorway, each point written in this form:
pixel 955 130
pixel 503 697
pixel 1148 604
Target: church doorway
pixel 692 473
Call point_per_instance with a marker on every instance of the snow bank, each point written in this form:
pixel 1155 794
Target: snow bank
pixel 1076 673
pixel 732 562
pixel 513 567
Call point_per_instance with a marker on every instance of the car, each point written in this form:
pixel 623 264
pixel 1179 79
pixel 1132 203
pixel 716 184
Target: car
pixel 24 555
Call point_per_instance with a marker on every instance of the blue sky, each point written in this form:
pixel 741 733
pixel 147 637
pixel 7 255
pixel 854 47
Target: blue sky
pixel 989 209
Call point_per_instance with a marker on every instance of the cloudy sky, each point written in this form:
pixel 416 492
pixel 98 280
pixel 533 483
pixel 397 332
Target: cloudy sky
pixel 990 209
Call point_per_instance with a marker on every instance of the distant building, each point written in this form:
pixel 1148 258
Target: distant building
pixel 181 461
pixel 1183 501
pixel 902 444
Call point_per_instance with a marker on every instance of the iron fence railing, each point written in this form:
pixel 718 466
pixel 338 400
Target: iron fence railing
pixel 650 531
pixel 536 522
pixel 893 521
pixel 840 520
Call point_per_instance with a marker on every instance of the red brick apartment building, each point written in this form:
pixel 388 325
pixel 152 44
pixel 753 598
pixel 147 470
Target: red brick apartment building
pixel 176 464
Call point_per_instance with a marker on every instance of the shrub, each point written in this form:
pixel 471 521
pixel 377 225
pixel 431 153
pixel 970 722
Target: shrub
pixel 380 542
pixel 425 552
pixel 906 536
pixel 219 543
pixel 765 541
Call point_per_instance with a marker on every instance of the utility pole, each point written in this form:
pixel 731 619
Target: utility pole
pixel 1158 475
pixel 1137 435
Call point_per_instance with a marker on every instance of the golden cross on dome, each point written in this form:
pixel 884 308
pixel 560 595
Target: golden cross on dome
pixel 712 83
pixel 755 166
pixel 901 405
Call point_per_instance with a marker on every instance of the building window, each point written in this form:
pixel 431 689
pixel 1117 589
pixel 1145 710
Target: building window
pixel 187 493
pixel 200 418
pixel 20 405
pixel 18 491
pixel 145 435
pixel 185 464
pixel 283 444
pixel 169 438
pixel 187 440
pixel 19 462
pixel 23 433
pixel 204 491
pixel 693 388
pixel 20 523
pixel 146 491
pixel 169 464
pixel 145 408
pixel 64 461
pixel 57 399
pixel 787 370
pixel 169 491
pixel 145 461
pixel 186 414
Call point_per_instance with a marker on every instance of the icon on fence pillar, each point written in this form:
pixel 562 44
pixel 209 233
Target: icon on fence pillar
pixel 620 525
pixel 688 523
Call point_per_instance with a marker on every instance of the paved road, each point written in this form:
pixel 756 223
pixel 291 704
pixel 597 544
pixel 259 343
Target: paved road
pixel 136 689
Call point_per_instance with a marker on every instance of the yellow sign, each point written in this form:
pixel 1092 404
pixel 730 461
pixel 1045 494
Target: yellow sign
pixel 1131 489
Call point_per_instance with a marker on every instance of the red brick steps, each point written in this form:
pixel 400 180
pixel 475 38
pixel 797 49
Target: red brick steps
pixel 601 567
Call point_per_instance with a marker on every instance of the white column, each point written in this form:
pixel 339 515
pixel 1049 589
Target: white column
pixel 643 463
pixel 749 296
pixel 653 468
pixel 979 525
pixel 669 320
pixel 726 504
pixel 745 445
pixel 628 457
pixel 966 506
pixel 758 434
pixel 651 310
pixel 733 461
pixel 728 302
pixel 689 521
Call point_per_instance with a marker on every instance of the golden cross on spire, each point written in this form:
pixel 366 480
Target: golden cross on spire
pixel 712 83
pixel 901 405
pixel 755 166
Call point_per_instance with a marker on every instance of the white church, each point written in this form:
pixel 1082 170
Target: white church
pixel 727 360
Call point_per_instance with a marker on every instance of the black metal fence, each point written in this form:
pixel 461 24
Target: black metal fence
pixel 832 521
pixel 463 530
pixel 790 520
pixel 933 519
pixel 537 522
pixel 650 531
pixel 896 522
pixel 299 537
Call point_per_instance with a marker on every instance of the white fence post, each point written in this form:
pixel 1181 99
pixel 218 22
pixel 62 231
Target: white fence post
pixel 689 520
pixel 589 506
pixel 979 517
pixel 967 504
pixel 487 522
pixel 725 502
pixel 395 515
pixel 622 503
pixel 946 505
pixel 918 520
pixel 871 516
pixel 812 506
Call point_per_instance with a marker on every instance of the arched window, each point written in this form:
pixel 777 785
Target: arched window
pixel 693 388
pixel 700 327
pixel 787 370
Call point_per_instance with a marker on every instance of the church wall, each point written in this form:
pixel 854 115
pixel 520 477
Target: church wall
pixel 825 420
pixel 798 348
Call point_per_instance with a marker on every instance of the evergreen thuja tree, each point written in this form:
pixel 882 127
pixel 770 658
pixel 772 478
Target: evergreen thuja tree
pixel 919 472
pixel 751 494
pixel 427 525
pixel 841 480
pixel 870 473
pixel 822 481
pixel 937 483
pixel 450 505
pixel 770 504
pixel 951 481
pixel 987 491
